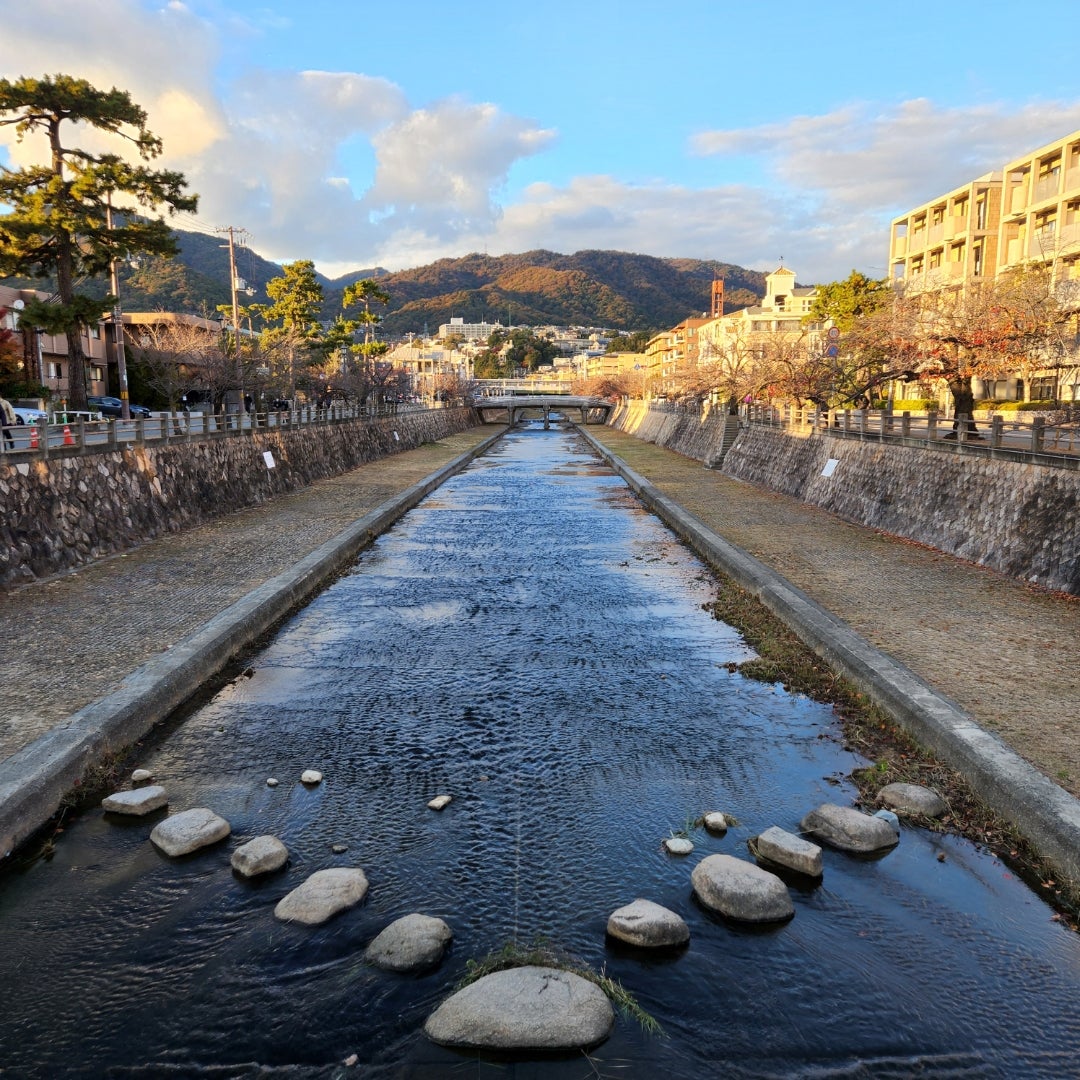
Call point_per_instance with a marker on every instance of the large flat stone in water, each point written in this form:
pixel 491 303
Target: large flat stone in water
pixel 412 943
pixel 262 855
pixel 849 829
pixel 526 1008
pixel 324 894
pixel 912 799
pixel 189 830
pixel 137 802
pixel 649 925
pixel 741 890
pixel 786 849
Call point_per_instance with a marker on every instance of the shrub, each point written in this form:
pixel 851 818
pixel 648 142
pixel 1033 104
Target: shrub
pixel 1016 406
pixel 912 405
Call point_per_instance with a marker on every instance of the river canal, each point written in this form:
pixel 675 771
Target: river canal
pixel 532 642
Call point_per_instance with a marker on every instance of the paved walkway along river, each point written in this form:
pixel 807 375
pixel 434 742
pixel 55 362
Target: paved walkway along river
pixel 1007 653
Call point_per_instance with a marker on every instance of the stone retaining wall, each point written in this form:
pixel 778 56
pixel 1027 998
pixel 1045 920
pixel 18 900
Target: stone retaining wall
pixel 1019 518
pixel 62 512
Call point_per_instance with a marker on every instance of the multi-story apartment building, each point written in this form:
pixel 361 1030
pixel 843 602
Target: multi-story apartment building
pixel 1029 211
pixel 458 327
pixel 672 353
pixel 951 239
pixel 45 358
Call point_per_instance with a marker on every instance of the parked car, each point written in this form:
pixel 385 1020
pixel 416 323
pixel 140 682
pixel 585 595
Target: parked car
pixel 112 406
pixel 31 416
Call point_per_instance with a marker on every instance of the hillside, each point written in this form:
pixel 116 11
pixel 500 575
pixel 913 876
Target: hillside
pixel 611 289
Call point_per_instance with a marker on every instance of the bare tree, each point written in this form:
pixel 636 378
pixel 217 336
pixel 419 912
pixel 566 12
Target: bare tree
pixel 177 356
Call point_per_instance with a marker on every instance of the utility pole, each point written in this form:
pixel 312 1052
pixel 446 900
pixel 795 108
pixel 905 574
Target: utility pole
pixel 118 321
pixel 233 232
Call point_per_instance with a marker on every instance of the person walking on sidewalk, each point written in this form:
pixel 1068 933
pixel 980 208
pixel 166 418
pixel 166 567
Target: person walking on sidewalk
pixel 8 420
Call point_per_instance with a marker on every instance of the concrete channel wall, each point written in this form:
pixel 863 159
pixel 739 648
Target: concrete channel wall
pixel 1017 517
pixel 66 510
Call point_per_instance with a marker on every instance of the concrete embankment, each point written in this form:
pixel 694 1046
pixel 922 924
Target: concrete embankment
pixel 64 510
pixel 96 659
pixel 843 586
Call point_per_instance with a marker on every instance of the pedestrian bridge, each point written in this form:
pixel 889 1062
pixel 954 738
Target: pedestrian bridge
pixel 592 409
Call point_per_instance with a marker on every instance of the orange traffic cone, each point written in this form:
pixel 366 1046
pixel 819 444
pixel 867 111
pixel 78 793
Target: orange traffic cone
pixel 33 437
pixel 68 440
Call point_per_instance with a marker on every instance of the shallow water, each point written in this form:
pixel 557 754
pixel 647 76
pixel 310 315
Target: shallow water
pixel 531 642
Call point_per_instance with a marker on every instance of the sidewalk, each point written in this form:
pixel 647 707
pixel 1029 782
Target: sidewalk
pixel 1006 653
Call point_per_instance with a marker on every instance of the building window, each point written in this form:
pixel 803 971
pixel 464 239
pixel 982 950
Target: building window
pixel 97 373
pixel 94 331
pixel 56 371
pixel 977 260
pixel 1044 388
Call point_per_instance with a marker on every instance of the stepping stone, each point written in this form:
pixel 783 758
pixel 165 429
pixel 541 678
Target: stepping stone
pixel 912 799
pixel 324 894
pixel 741 890
pixel 786 849
pixel 412 943
pixel 271 781
pixel 679 845
pixel 137 803
pixel 440 802
pixel 848 829
pixel 526 1008
pixel 188 831
pixel 311 776
pixel 648 925
pixel 891 818
pixel 142 776
pixel 262 855
pixel 716 822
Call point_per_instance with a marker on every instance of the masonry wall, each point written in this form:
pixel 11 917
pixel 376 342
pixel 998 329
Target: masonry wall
pixel 1018 518
pixel 62 512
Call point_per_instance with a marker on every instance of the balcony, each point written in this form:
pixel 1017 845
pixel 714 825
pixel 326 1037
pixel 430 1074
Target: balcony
pixel 1017 199
pixel 1044 244
pixel 1046 187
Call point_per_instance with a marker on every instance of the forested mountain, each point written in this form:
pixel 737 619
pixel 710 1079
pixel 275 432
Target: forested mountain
pixel 611 289
pixel 590 288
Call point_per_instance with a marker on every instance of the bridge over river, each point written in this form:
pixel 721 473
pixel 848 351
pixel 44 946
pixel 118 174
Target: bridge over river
pixel 592 409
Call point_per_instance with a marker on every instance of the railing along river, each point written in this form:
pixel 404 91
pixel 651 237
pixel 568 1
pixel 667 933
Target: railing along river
pixel 1053 439
pixel 87 433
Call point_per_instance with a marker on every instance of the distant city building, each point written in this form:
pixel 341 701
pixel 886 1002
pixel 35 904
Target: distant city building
pixel 479 331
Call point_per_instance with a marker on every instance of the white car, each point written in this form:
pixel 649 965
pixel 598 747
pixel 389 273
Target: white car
pixel 31 416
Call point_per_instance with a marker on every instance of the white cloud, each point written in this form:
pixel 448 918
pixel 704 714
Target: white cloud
pixel 877 164
pixel 438 168
pixel 340 167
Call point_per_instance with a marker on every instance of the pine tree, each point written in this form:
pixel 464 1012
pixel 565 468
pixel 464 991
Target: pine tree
pixel 57 226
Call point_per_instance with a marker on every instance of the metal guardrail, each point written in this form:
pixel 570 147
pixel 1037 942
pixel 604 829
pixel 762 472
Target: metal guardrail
pixel 80 435
pixel 1052 439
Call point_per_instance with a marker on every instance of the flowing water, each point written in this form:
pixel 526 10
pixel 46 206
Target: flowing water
pixel 531 642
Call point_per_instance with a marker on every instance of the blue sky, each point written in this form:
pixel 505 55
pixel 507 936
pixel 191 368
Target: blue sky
pixel 362 134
